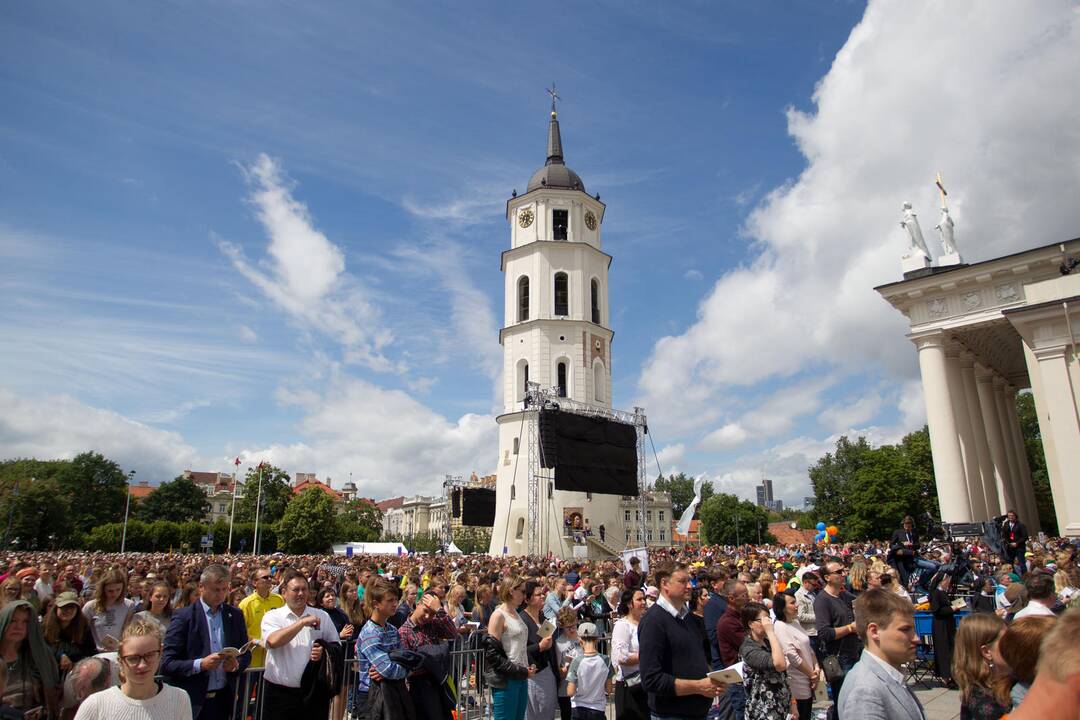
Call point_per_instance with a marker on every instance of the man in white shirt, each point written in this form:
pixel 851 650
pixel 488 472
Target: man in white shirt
pixel 875 688
pixel 1041 595
pixel 289 634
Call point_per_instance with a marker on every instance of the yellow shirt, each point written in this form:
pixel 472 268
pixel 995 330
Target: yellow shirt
pixel 254 607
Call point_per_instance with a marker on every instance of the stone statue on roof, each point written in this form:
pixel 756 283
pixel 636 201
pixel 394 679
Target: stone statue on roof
pixel 945 227
pixel 910 223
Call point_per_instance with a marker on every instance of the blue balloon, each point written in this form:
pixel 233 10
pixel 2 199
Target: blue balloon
pixel 821 526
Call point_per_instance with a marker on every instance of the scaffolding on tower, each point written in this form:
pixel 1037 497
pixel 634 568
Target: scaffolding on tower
pixel 537 399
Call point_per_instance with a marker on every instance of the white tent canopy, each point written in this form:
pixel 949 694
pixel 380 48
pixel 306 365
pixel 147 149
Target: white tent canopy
pixel 453 549
pixel 370 548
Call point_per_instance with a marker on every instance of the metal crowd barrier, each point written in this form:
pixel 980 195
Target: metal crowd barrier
pixel 466 674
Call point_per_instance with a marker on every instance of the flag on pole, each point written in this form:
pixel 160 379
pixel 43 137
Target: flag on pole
pixel 683 528
pixel 237 463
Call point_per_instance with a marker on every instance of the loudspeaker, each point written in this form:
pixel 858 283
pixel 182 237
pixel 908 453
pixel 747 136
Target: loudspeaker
pixel 455 502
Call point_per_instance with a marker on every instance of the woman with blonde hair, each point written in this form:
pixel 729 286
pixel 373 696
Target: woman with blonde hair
pixel 110 611
pixel 857 576
pixel 454 609
pixel 10 590
pixel 139 694
pixel 979 669
pixel 506 653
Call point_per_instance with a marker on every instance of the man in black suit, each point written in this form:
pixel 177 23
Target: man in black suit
pixel 192 658
pixel 1014 537
pixel 903 547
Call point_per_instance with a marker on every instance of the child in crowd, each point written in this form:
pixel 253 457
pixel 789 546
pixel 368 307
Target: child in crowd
pixel 588 681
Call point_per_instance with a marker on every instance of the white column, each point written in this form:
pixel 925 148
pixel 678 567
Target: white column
pixel 1057 489
pixel 984 382
pixel 972 478
pixel 1059 394
pixel 978 432
pixel 1027 489
pixel 1013 468
pixel 944 442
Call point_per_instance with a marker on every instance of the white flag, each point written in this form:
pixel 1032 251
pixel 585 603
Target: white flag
pixel 683 528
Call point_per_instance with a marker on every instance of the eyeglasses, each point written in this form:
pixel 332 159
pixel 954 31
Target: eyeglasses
pixel 263 577
pixel 133 661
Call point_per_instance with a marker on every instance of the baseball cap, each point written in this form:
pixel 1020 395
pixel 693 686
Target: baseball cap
pixel 587 630
pixel 68 597
pixel 652 591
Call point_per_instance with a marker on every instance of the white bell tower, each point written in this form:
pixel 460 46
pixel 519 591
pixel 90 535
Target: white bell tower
pixel 556 332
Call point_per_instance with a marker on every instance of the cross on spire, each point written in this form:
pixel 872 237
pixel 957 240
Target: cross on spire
pixel 554 96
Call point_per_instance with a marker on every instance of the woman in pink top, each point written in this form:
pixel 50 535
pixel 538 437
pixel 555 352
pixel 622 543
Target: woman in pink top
pixel 802 669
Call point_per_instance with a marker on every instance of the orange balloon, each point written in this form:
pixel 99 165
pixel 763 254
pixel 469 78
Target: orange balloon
pixel 832 530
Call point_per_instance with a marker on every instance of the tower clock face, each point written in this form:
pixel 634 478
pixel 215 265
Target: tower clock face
pixel 525 217
pixel 590 220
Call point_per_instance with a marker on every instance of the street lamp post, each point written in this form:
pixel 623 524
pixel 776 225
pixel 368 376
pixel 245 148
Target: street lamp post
pixel 127 509
pixel 258 507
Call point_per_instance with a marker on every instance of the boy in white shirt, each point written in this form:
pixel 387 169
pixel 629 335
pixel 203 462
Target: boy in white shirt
pixel 588 682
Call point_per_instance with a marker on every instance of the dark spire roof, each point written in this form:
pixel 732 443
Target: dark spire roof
pixel 555 174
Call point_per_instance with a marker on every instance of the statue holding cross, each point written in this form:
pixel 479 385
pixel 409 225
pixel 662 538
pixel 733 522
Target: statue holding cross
pixel 945 225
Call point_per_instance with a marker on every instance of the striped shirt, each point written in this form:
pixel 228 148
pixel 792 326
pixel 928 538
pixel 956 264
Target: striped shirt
pixel 372 649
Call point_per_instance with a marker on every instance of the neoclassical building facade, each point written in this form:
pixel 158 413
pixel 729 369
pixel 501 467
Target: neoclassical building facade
pixel 983 332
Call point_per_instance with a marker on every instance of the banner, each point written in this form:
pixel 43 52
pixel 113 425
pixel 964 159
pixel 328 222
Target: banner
pixel 683 528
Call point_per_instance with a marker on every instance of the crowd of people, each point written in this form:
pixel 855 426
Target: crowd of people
pixel 755 632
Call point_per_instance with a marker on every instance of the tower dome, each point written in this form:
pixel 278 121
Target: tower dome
pixel 555 174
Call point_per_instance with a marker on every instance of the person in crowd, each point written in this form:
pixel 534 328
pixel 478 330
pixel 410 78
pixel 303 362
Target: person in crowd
pixel 88 676
pixel 543 687
pixel 699 598
pixel 714 609
pixel 764 666
pixel 979 669
pixel 887 583
pixel 67 631
pixel 986 599
pixel 261 600
pixel 674 652
pixel 33 676
pixel 377 639
pixel 326 600
pixel 139 694
pixel 484 605
pixel 558 597
pixel 857 577
pixel 72 579
pixel 28 577
pixel 631 702
pixel 809 587
pixel 1015 536
pixel 588 679
pixel 455 605
pixel 730 634
pixel 158 607
pixel 875 687
pixel 1063 587
pixel 186 595
pixel 109 612
pixel 192 658
pixel 633 578
pixel 428 624
pixel 1019 648
pixel 1041 596
pixel 10 590
pixel 1055 694
pixel 835 617
pixel 506 655
pixel 944 629
pixel 567 647
pixel 903 548
pixel 802 672
pixel 293 635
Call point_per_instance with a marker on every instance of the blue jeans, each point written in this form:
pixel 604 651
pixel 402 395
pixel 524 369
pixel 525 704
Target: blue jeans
pixel 509 703
pixel 732 705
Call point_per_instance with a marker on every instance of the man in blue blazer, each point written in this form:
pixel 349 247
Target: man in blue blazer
pixel 192 658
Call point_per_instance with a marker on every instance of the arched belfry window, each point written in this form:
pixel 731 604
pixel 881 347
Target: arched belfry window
pixel 598 381
pixel 595 301
pixel 522 380
pixel 523 298
pixel 562 294
pixel 561 371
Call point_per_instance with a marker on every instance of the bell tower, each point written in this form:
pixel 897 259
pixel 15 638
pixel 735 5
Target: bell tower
pixel 556 333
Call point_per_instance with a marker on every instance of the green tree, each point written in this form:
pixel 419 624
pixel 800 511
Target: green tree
pixel 359 521
pixel 833 476
pixel 681 489
pixel 276 493
pixel 96 487
pixel 303 528
pixel 472 539
pixel 40 515
pixel 727 520
pixel 178 500
pixel 1036 459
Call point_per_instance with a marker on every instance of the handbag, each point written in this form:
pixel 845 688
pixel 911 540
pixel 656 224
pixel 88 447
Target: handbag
pixel 632 680
pixel 834 672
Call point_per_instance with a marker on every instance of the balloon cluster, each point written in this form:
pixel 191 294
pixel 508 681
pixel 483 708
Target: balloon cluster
pixel 826 535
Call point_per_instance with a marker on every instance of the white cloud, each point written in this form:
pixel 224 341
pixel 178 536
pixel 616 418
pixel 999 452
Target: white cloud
pixel 247 334
pixel 774 416
pixel 391 443
pixel 61 427
pixel 915 90
pixel 304 273
pixel 670 455
pixel 855 413
pixel 730 435
pixel 693 275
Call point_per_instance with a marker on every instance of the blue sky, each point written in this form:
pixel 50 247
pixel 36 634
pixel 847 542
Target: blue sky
pixel 266 231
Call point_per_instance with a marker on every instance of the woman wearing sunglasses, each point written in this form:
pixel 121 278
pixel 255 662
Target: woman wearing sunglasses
pixel 140 695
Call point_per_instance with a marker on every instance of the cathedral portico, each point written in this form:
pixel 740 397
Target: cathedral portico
pixel 983 332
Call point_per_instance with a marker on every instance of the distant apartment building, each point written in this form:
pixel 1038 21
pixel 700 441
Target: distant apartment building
pixel 218 487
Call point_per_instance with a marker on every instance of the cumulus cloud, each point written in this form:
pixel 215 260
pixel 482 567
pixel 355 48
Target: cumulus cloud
pixel 852 414
pixel 303 272
pixel 391 443
pixel 915 89
pixel 247 334
pixel 774 416
pixel 60 427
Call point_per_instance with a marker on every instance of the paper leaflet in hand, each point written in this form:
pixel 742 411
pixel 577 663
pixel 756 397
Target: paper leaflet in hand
pixel 731 675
